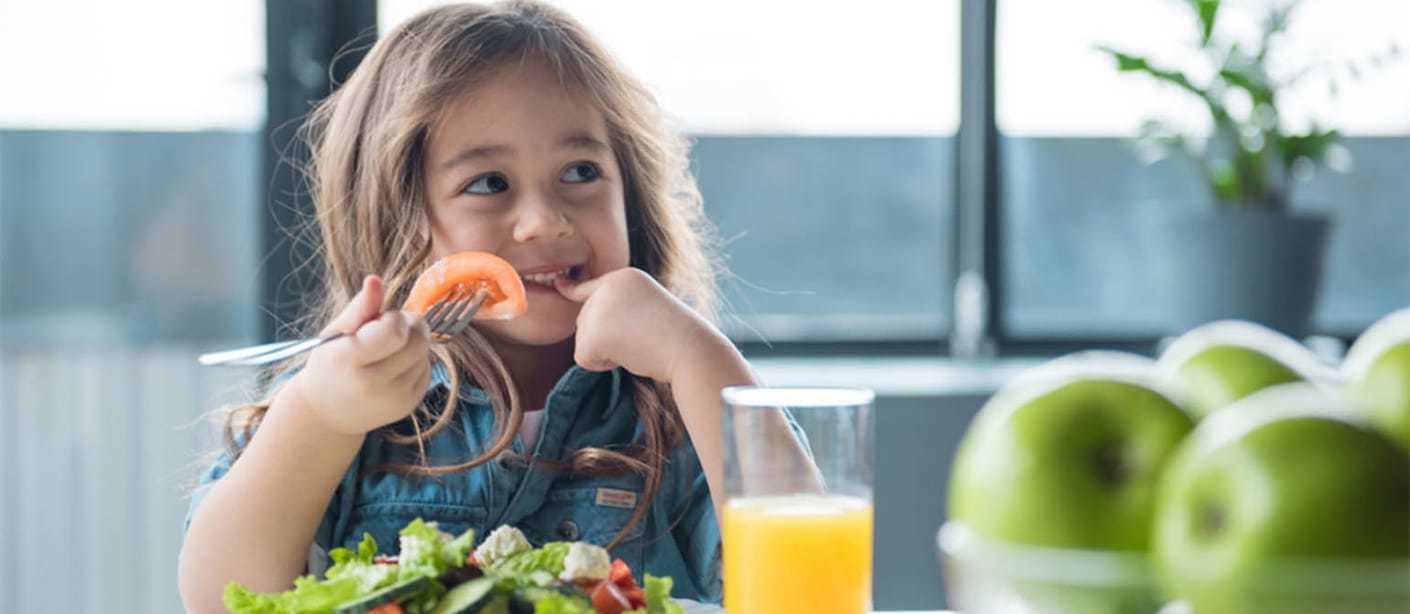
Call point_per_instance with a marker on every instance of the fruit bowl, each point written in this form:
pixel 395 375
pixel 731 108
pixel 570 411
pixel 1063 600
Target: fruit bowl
pixel 1302 586
pixel 984 576
pixel 987 576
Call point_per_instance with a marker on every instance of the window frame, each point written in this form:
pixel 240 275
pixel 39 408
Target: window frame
pixel 307 34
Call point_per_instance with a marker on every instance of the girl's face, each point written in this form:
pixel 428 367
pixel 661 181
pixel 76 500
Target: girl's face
pixel 522 168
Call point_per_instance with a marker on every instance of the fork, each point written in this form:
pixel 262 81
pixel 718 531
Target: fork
pixel 447 318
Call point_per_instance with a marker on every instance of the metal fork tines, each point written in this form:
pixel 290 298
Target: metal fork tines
pixel 447 318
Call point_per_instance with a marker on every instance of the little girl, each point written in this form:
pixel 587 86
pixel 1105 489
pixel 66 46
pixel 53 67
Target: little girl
pixel 504 129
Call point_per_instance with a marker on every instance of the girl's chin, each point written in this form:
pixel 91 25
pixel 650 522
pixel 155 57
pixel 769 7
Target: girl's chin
pixel 539 327
pixel 532 335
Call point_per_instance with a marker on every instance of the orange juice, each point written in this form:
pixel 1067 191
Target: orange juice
pixel 801 553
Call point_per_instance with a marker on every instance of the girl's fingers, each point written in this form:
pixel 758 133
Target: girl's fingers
pixel 576 291
pixel 416 350
pixel 381 338
pixel 364 306
pixel 416 377
pixel 592 360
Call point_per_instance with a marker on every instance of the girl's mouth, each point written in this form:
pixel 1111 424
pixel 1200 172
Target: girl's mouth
pixel 546 279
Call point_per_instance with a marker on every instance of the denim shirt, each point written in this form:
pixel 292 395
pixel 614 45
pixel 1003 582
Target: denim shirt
pixel 678 537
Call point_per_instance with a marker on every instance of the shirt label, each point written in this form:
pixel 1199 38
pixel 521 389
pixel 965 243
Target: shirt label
pixel 611 497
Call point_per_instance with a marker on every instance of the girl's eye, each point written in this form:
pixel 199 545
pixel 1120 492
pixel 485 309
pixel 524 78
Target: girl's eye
pixel 492 183
pixel 581 172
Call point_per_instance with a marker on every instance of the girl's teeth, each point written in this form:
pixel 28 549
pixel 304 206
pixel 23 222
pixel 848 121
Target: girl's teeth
pixel 544 279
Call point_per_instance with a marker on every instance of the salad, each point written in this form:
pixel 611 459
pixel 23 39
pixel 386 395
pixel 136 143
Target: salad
pixel 438 573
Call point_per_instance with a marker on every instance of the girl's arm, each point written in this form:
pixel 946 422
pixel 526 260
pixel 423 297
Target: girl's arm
pixel 629 320
pixel 257 522
pixel 704 367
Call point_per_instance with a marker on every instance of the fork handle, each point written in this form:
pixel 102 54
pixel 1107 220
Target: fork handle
pixel 262 354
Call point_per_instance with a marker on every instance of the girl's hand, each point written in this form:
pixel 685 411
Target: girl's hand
pixel 629 320
pixel 374 376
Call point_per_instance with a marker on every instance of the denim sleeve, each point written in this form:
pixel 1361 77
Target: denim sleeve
pixel 326 536
pixel 696 530
pixel 218 468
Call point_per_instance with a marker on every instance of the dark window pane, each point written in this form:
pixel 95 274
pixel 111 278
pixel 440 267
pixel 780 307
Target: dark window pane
pixel 1075 191
pixel 128 237
pixel 129 207
pixel 832 238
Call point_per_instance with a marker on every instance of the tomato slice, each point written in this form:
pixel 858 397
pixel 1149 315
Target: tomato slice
pixel 607 598
pixel 637 597
pixel 390 608
pixel 621 575
pixel 471 271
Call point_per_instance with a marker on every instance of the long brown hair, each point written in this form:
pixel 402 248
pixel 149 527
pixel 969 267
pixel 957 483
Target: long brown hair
pixel 365 177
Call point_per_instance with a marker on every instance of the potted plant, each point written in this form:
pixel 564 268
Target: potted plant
pixel 1253 256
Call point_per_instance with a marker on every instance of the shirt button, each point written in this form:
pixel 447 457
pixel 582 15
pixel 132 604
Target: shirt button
pixel 568 530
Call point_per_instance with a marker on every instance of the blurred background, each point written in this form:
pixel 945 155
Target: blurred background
pixel 920 196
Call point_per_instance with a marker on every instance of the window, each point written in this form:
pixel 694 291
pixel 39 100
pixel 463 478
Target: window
pixel 129 205
pixel 1074 188
pixel 126 165
pixel 824 149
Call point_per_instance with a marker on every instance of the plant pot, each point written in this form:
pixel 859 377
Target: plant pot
pixel 1263 267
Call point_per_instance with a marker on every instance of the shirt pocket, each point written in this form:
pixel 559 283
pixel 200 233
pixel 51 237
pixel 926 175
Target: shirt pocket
pixel 384 520
pixel 591 513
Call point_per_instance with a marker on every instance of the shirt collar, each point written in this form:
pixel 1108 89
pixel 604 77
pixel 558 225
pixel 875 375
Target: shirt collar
pixel 576 382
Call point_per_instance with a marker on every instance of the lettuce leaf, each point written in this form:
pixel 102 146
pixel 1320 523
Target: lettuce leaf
pixel 359 566
pixel 563 604
pixel 658 597
pixel 308 595
pixel 354 575
pixel 518 570
pixel 425 551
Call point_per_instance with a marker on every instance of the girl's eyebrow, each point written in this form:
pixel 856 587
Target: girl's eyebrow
pixel 585 142
pixel 580 141
pixel 474 153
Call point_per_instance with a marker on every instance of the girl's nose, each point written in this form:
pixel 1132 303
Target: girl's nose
pixel 540 220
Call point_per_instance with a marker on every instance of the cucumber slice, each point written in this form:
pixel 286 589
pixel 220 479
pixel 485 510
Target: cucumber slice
pixel 498 605
pixel 466 598
pixel 524 600
pixel 395 592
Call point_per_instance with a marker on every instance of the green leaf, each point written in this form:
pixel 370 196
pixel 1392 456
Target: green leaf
pixel 343 557
pixel 1126 62
pixel 1312 146
pixel 562 604
pixel 1208 10
pixel 658 596
pixel 359 567
pixel 308 595
pixel 367 549
pixel 427 552
pixel 517 570
pixel 1257 89
pixel 426 599
pixel 1224 179
pixel 354 575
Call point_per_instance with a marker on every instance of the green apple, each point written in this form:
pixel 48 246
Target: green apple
pixel 1221 362
pixel 1278 504
pixel 1222 374
pixel 1073 466
pixel 1058 474
pixel 1377 369
pixel 1383 392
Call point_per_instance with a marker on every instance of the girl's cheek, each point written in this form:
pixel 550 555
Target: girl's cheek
pixel 463 232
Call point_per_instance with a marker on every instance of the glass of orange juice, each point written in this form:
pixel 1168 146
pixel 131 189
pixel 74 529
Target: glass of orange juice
pixel 798 513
